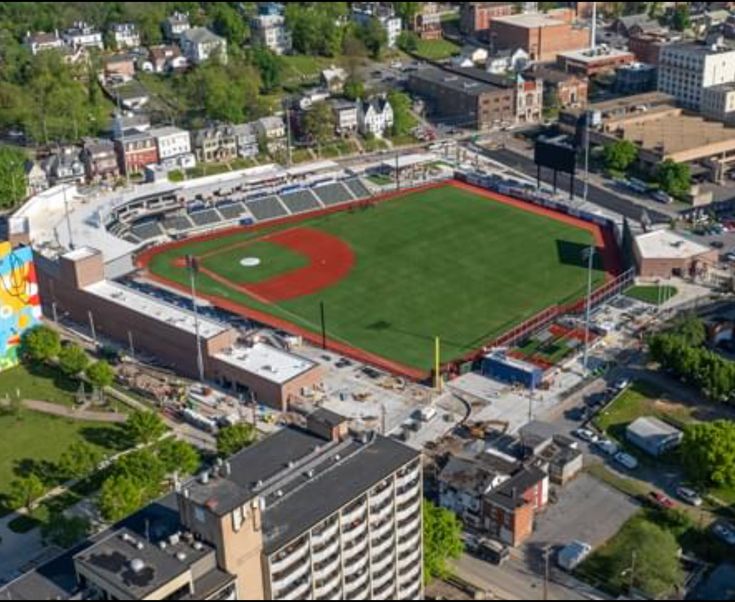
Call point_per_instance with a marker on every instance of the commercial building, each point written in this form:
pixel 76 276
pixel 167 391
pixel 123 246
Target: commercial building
pixel 718 103
pixel 171 142
pixel 561 89
pixel 685 70
pixel 542 36
pixel 313 513
pixel 200 45
pixel 647 47
pixel 592 62
pixel 665 254
pixel 270 31
pixel 475 17
pixel 460 100
pixel 653 436
pixel 636 78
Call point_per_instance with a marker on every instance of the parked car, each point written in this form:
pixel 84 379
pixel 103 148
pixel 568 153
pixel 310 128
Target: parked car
pixel 689 496
pixel 571 556
pixel 730 256
pixel 607 447
pixel 717 244
pixel 661 197
pixel 621 384
pixel 725 532
pixel 626 460
pixel 487 549
pixel 661 500
pixel 586 435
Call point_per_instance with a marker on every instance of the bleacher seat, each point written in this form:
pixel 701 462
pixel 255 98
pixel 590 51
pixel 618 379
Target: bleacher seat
pixel 333 194
pixel 231 210
pixel 146 230
pixel 300 201
pixel 177 223
pixel 357 188
pixel 206 217
pixel 266 208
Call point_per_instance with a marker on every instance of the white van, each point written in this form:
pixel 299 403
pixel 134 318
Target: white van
pixel 626 460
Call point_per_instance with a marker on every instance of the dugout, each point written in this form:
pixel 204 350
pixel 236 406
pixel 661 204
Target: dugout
pixel 501 367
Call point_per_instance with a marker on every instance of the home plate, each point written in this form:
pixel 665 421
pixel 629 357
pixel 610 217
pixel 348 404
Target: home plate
pixel 250 262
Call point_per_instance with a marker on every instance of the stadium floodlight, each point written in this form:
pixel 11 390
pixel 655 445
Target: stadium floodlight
pixel 192 264
pixel 589 254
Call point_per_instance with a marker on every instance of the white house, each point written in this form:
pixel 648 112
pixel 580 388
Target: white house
pixel 247 140
pixel 125 35
pixel 504 61
pixel 83 35
pixel 40 41
pixel 333 79
pixel 199 45
pixel 171 142
pixel 175 25
pixel 363 12
pixel 270 31
pixel 476 54
pixel 345 116
pixel 374 116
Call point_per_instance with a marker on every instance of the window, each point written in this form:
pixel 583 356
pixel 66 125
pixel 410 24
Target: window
pixel 199 514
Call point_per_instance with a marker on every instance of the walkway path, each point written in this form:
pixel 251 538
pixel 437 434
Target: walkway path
pixel 56 409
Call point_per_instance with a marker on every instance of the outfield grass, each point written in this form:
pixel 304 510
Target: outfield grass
pixel 653 295
pixel 445 263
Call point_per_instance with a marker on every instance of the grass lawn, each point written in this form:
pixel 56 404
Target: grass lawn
pixel 35 440
pixel 445 262
pixel 654 295
pixel 437 50
pixel 299 68
pixel 40 383
pixel 641 399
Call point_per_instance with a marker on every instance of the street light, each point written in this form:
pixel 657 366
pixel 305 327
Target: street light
pixel 590 252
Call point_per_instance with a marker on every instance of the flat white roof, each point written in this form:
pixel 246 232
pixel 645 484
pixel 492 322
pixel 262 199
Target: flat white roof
pixel 590 56
pixel 267 362
pixel 81 253
pixel 530 20
pixel 410 160
pixel 665 244
pixel 155 308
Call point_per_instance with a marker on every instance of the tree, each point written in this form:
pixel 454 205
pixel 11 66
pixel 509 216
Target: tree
pixel 228 23
pixel 145 468
pixel 620 155
pixel 681 19
pixel 119 497
pixel 354 88
pixel 316 26
pixel 374 36
pixel 100 374
pixel 12 176
pixel 674 178
pixel 318 124
pixel 80 460
pixel 232 439
pixel 225 92
pixel 442 540
pixel 25 491
pixel 178 457
pixel 270 67
pixel 708 453
pixel 145 427
pixel 73 360
pixel 65 532
pixel 40 344
pixel 407 11
pixel 408 41
pixel 403 119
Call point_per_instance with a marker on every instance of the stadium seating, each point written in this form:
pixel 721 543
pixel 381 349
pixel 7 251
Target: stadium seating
pixel 146 230
pixel 300 201
pixel 231 211
pixel 266 208
pixel 333 194
pixel 357 188
pixel 206 217
pixel 131 238
pixel 177 223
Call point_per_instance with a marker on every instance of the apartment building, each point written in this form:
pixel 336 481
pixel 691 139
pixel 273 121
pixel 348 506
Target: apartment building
pixel 200 45
pixel 718 103
pixel 307 513
pixel 345 116
pixel 216 143
pixel 270 31
pixel 126 35
pixel 685 70
pixel 171 142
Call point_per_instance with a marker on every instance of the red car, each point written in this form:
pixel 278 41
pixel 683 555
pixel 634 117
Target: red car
pixel 659 499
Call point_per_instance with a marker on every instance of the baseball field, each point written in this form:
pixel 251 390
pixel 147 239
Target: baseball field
pixel 449 261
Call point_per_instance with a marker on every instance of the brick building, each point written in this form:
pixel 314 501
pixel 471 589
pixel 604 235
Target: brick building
pixel 565 90
pixel 542 36
pixel 592 62
pixel 475 17
pixel 428 23
pixel 663 254
pixel 135 150
pixel 647 47
pixel 457 99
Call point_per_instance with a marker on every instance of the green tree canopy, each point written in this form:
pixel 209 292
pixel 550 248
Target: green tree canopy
pixel 318 124
pixel 145 427
pixel 620 155
pixel 403 119
pixel 25 491
pixel 178 456
pixel 232 439
pixel 100 374
pixel 442 540
pixel 40 344
pixel 65 532
pixel 315 26
pixel 374 36
pixel 681 19
pixel 12 174
pixel 146 469
pixel 80 460
pixel 708 453
pixel 73 360
pixel 119 497
pixel 270 67
pixel 408 41
pixel 674 178
pixel 354 88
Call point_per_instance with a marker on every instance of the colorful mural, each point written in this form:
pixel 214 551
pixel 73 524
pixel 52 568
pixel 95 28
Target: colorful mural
pixel 20 306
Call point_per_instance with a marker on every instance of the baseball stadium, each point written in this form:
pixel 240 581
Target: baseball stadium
pixel 383 279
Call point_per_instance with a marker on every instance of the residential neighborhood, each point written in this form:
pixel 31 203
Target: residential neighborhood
pixel 367 300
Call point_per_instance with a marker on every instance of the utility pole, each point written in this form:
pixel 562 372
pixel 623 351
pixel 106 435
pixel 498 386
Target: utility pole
pixel 590 265
pixel 324 325
pixel 91 327
pixel 288 134
pixel 68 220
pixel 546 572
pixel 632 573
pixel 192 265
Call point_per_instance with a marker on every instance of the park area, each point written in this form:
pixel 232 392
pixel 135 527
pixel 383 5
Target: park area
pixel 451 261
